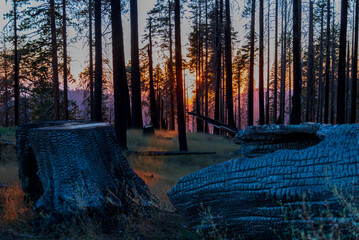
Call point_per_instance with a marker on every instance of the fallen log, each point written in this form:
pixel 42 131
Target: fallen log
pixel 261 198
pixel 71 167
pixel 167 153
pixel 217 124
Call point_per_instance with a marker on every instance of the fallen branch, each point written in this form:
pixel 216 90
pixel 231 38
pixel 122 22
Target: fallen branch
pixel 168 153
pixel 217 124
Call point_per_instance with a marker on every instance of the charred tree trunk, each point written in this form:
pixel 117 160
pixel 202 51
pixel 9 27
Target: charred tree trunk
pixel 207 70
pixel 332 80
pixel 180 114
pixel 135 68
pixel 72 167
pixel 170 70
pixel 341 67
pixel 320 78
pixel 5 66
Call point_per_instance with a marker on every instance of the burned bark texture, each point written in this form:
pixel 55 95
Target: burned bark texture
pixel 260 140
pixel 263 197
pixel 71 167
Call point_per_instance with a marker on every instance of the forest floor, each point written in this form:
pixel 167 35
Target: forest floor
pixel 160 173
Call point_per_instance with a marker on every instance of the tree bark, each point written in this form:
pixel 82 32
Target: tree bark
pixel 297 66
pixel 207 70
pixel 170 69
pixel 261 62
pixel 320 78
pixel 332 80
pixel 119 74
pixel 327 67
pixel 310 75
pixel 64 39
pixel 6 80
pixel 283 65
pixel 55 70
pixel 92 113
pixel 228 49
pixel 153 106
pixel 135 68
pixel 341 66
pixel 275 90
pixel 268 66
pixel 218 44
pixel 73 167
pixel 181 123
pixel 355 67
pixel 251 67
pixel 16 69
pixel 98 63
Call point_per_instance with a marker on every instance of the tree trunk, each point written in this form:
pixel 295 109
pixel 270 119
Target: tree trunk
pixel 119 74
pixel 327 67
pixel 261 62
pixel 355 67
pixel 283 65
pixel 5 56
pixel 218 44
pixel 341 66
pixel 320 79
pixel 153 106
pixel 228 48
pixel 251 67
pixel 347 84
pixel 181 123
pixel 64 39
pixel 310 75
pixel 207 70
pixel 200 73
pixel 170 70
pixel 16 69
pixel 92 113
pixel 297 66
pixel 239 98
pixel 98 63
pixel 135 68
pixel 55 70
pixel 268 65
pixel 332 80
pixel 275 90
pixel 72 167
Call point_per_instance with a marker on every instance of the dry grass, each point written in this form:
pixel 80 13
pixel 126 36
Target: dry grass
pixel 161 173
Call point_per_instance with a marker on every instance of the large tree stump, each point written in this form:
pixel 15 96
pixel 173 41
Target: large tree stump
pixel 259 198
pixel 68 167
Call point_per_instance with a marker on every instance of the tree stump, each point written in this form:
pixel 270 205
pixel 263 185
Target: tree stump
pixel 69 167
